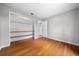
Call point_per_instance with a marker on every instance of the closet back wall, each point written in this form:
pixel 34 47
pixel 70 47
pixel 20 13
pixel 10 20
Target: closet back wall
pixel 21 27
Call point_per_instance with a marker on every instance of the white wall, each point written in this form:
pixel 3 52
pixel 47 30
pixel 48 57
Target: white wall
pixel 44 28
pixel 0 33
pixel 4 26
pixel 65 27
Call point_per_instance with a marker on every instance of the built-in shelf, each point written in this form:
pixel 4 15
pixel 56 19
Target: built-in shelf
pixel 21 22
pixel 21 35
pixel 19 31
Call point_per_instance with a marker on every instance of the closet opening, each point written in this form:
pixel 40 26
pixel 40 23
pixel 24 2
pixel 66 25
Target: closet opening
pixel 21 27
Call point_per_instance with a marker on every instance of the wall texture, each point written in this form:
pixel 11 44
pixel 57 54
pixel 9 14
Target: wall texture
pixel 65 27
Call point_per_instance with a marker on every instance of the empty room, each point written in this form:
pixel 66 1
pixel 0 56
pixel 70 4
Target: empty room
pixel 39 29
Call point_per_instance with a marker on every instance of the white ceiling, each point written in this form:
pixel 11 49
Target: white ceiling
pixel 43 10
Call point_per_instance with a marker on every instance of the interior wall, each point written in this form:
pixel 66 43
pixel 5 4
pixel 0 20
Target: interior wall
pixel 4 26
pixel 44 28
pixel 65 27
pixel 0 34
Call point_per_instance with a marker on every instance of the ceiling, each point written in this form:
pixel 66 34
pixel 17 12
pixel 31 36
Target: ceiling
pixel 43 10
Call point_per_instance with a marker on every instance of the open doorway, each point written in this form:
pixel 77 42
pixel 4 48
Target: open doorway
pixel 21 27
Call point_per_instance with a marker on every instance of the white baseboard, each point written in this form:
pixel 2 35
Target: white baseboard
pixel 63 41
pixel 36 37
pixel 17 39
pixel 0 48
pixel 4 46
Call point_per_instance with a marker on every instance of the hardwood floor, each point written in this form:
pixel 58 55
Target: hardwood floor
pixel 40 47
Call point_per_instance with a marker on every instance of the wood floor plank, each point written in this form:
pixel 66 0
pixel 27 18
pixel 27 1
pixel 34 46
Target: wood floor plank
pixel 40 47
